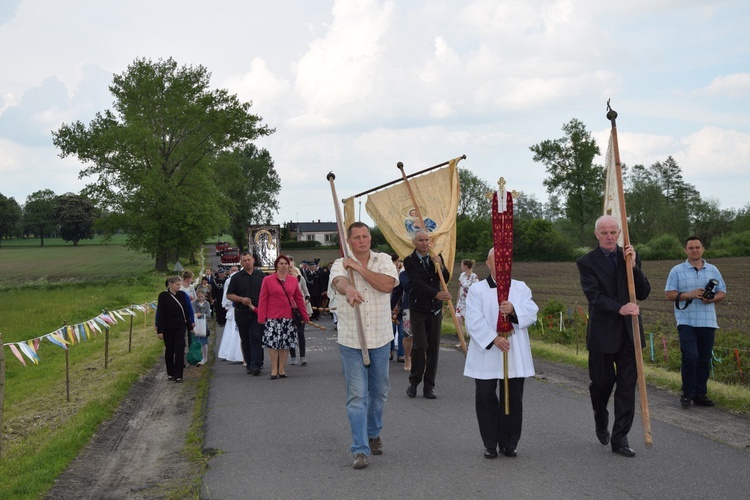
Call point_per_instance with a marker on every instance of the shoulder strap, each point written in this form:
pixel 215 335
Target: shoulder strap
pixel 184 316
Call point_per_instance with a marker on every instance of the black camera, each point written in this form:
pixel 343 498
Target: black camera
pixel 708 290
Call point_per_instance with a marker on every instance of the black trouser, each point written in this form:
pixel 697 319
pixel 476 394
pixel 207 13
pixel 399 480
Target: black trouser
pixel 316 301
pixel 496 428
pixel 606 370
pixel 301 341
pixel 221 313
pixel 425 329
pixel 174 351
pixel 251 336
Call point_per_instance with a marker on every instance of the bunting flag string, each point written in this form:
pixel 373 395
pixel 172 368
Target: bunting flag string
pixel 72 334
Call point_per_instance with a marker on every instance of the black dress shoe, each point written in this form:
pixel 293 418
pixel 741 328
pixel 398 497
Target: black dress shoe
pixel 411 391
pixel 429 394
pixel 603 436
pixel 625 451
pixel 510 453
pixel 702 400
pixel 488 453
pixel 256 371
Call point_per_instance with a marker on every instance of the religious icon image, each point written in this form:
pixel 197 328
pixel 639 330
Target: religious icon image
pixel 413 224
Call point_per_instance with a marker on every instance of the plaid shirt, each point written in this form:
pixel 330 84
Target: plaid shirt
pixel 375 310
pixel 685 278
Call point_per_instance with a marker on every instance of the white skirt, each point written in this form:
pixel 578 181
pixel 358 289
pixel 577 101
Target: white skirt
pixel 230 348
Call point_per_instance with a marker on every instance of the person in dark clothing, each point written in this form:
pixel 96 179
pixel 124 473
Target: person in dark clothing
pixel 174 317
pixel 244 292
pixel 609 334
pixel 217 290
pixel 426 312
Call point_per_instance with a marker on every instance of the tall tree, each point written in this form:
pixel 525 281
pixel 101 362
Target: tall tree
pixel 527 207
pixel 74 215
pixel 154 155
pixel 39 213
pixel 473 203
pixel 10 216
pixel 572 174
pixel 252 185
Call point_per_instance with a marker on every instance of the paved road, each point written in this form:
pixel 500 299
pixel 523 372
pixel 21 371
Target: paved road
pixel 289 438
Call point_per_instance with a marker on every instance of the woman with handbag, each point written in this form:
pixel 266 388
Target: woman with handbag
pixel 281 308
pixel 174 317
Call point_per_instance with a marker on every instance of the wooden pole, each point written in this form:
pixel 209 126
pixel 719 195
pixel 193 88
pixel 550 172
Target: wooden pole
pixel 345 253
pixel 67 365
pixel 2 390
pixel 443 285
pixel 106 344
pixel 612 117
pixel 130 335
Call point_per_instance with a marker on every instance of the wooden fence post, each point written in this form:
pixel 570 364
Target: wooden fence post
pixel 2 390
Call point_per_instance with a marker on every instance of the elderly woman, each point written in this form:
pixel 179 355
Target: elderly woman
pixel 280 293
pixel 174 317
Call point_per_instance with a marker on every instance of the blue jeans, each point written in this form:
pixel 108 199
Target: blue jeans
pixel 696 344
pixel 366 394
pixel 398 329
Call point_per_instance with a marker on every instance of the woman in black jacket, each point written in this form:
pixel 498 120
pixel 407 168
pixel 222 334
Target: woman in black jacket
pixel 174 316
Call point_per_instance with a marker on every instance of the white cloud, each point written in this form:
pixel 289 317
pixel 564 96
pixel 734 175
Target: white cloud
pixel 735 85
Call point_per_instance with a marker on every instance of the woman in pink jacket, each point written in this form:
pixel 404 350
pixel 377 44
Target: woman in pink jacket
pixel 278 295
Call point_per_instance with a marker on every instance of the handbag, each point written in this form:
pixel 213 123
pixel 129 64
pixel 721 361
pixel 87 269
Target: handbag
pixel 296 315
pixel 195 353
pixel 200 327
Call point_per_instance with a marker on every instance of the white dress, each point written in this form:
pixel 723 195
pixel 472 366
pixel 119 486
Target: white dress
pixel 231 347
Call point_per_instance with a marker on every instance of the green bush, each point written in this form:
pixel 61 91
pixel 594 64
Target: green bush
pixel 664 247
pixel 730 245
pixel 290 244
pixel 538 240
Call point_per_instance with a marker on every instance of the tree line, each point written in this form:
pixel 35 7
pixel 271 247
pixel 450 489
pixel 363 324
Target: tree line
pixel 662 207
pixel 174 163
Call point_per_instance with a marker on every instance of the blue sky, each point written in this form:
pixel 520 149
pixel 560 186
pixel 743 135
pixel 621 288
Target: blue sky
pixel 356 86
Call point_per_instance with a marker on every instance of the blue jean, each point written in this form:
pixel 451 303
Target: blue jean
pixel 398 329
pixel 696 344
pixel 366 393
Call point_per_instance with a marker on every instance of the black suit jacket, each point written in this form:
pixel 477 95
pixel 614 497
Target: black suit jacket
pixel 607 292
pixel 424 285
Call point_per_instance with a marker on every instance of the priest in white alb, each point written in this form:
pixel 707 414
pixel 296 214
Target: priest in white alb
pixel 484 360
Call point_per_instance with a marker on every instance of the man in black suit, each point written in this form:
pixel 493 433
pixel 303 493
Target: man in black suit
pixel 609 336
pixel 426 306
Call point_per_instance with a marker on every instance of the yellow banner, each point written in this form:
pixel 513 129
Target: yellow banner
pixel 611 191
pixel 437 194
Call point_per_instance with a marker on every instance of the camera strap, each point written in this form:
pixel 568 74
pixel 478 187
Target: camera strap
pixel 677 302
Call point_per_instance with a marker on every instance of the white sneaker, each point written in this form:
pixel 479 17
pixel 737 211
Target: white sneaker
pixel 294 361
pixel 302 361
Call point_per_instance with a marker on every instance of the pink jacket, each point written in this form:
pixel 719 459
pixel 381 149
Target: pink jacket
pixel 274 303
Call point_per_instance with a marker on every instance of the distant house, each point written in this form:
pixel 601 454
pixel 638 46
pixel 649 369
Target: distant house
pixel 324 232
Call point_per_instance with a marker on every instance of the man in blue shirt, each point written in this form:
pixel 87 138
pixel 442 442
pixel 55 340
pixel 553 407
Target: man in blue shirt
pixel 695 286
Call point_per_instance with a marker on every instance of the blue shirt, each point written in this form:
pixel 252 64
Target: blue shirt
pixel 685 278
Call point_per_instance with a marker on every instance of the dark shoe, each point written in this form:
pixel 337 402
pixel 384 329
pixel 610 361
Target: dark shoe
pixel 401 360
pixel 390 358
pixel 282 375
pixel 702 400
pixel 411 391
pixel 685 400
pixel 603 436
pixel 360 461
pixel 178 380
pixel 429 394
pixel 274 377
pixel 625 451
pixel 376 446
pixel 170 377
pixel 488 453
pixel 510 453
pixel 256 371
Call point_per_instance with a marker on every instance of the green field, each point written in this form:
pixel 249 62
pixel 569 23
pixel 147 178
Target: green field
pixel 40 289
